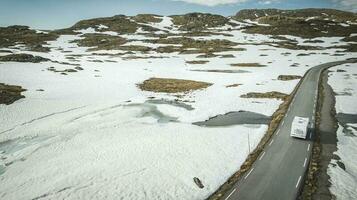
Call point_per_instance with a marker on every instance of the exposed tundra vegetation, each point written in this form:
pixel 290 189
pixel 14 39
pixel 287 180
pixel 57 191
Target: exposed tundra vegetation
pixel 247 65
pixel 142 82
pixel 168 85
pixel 10 93
pixel 288 77
pixel 269 95
pixel 33 40
pixel 22 57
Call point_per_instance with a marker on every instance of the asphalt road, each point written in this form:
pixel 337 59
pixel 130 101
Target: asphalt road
pixel 278 173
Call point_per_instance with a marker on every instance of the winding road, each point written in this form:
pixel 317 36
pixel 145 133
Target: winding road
pixel 278 173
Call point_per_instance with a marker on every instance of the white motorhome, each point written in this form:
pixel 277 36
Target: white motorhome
pixel 299 127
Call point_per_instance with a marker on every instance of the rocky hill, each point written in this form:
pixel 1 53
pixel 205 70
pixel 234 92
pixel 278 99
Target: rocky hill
pixel 301 13
pixel 305 23
pixel 308 23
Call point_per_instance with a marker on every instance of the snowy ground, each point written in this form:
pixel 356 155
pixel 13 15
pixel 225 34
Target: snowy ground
pixel 344 83
pixel 91 134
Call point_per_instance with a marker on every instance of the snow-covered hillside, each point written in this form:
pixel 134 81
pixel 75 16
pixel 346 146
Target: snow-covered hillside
pixel 85 130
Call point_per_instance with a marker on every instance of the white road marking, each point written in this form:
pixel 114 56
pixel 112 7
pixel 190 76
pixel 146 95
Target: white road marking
pixel 305 162
pixel 262 155
pixel 297 184
pixel 308 147
pixel 313 118
pixel 271 142
pixel 249 173
pixel 282 123
pixel 230 194
pixel 310 135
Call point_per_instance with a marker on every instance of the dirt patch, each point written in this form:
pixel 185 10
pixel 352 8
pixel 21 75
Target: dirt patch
pixel 313 41
pixel 64 71
pixel 197 62
pixel 22 58
pixel 100 41
pixel 168 85
pixel 143 57
pixel 288 77
pixel 234 85
pixel 207 55
pixel 266 95
pixel 186 45
pixel 227 56
pixel 131 48
pixel 220 71
pixel 247 65
pixel 10 93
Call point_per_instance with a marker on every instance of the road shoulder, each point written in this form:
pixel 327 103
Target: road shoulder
pixel 317 182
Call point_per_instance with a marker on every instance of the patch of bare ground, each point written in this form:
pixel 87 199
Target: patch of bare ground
pixel 22 58
pixel 131 48
pixel 227 56
pixel 147 18
pixel 303 54
pixel 288 77
pixel 299 26
pixel 100 41
pixel 295 65
pixel 197 62
pixel 234 85
pixel 186 45
pixel 143 57
pixel 207 55
pixel 220 71
pixel 198 21
pixel 168 85
pixel 65 71
pixel 33 40
pixel 10 93
pixel 247 65
pixel 266 95
pixel 313 41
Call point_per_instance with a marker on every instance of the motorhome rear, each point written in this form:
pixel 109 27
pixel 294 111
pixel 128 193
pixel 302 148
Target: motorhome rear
pixel 299 127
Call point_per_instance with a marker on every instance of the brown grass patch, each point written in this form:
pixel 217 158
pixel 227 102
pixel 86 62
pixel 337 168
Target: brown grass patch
pixel 168 85
pixel 266 95
pixel 247 65
pixel 288 77
pixel 197 62
pixel 10 93
pixel 233 85
pixel 22 57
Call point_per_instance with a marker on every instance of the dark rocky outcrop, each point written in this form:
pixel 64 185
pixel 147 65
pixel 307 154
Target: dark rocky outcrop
pixel 10 93
pixel 22 58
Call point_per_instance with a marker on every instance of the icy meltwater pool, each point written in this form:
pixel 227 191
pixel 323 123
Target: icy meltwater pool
pixel 236 118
